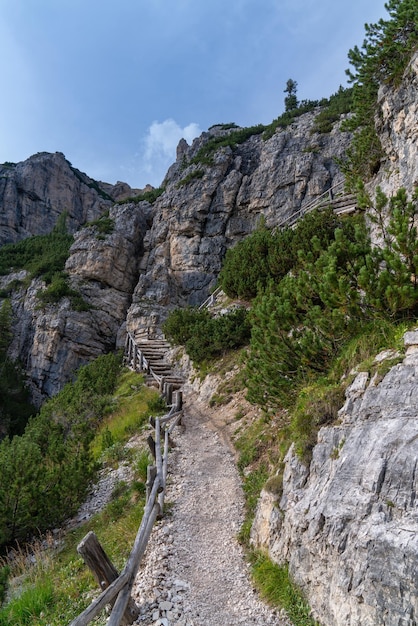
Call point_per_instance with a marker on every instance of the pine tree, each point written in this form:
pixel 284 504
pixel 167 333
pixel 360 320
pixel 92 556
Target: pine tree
pixel 291 101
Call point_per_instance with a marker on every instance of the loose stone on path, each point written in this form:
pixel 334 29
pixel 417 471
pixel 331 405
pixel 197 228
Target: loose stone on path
pixel 194 571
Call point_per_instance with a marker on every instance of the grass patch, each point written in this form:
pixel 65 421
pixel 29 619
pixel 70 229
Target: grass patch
pixel 195 175
pixel 133 404
pixel 58 586
pixel 277 588
pixel 54 593
pixel 147 196
pixel 104 225
pixel 316 406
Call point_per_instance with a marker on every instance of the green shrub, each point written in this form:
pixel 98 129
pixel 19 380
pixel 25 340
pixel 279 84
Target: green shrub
pixel 104 225
pixel 157 405
pixel 195 175
pixel 387 49
pixel 59 288
pixel 316 406
pixel 288 117
pixel 235 137
pixel 46 471
pixel 267 255
pixel 205 337
pixel 300 324
pixel 338 104
pixel 147 196
pixel 41 255
pixel 4 577
pixel 15 405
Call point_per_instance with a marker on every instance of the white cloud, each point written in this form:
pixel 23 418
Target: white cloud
pixel 160 147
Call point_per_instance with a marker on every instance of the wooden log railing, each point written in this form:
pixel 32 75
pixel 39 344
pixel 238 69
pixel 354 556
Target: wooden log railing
pixel 334 197
pixel 137 360
pixel 117 587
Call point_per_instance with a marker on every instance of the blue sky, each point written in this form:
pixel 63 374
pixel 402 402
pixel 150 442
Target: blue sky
pixel 114 84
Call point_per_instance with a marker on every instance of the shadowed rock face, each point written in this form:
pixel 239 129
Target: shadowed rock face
pixel 53 341
pixel 348 524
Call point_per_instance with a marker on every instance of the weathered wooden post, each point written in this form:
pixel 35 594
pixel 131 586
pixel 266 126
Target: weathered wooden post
pixel 177 400
pixel 135 356
pixel 151 474
pixel 103 571
pixel 169 393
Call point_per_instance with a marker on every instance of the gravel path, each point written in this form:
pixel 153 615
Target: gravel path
pixel 194 572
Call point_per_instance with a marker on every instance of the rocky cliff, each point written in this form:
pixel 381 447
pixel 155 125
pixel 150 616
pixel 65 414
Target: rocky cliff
pixel 348 524
pixel 35 192
pixel 158 256
pixel 208 208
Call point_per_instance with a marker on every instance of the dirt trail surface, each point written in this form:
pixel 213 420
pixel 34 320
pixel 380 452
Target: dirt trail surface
pixel 194 572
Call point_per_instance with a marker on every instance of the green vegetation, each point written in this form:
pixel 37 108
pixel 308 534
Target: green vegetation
pixel 301 323
pixel 338 104
pixel 59 288
pixel 146 196
pixel 227 126
pixel 58 586
pixel 42 255
pixel 291 101
pixel 267 255
pixel 92 184
pixel 383 57
pixel 104 225
pixel 288 117
pixel 206 337
pixel 15 405
pixel 233 139
pixel 276 586
pixel 45 471
pixel 196 174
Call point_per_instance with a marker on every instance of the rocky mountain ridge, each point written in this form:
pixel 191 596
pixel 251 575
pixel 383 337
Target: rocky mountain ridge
pixel 158 255
pixel 347 523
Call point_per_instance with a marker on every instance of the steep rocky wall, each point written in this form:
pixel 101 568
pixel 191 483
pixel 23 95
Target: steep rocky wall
pixel 397 127
pixel 197 221
pixel 35 192
pixel 348 524
pixel 54 340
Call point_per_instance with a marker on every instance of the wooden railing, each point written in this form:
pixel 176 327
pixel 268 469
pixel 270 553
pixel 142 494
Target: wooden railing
pixel 117 587
pixel 211 300
pixel 334 197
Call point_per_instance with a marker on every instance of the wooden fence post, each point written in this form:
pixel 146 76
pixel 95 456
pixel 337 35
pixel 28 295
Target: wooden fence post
pixel 103 570
pixel 151 474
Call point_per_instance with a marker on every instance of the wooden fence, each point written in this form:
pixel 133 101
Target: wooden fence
pixel 334 197
pixel 116 588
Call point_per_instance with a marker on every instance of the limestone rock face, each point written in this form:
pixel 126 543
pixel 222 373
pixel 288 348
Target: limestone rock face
pixel 208 208
pixel 35 192
pixel 53 341
pixel 348 524
pixel 397 127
